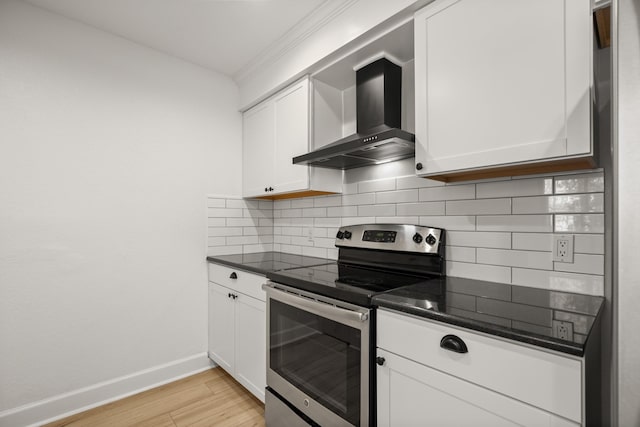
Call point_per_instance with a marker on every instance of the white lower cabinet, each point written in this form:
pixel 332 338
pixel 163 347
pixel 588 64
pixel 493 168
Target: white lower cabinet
pixel 412 394
pixel 237 329
pixel 494 384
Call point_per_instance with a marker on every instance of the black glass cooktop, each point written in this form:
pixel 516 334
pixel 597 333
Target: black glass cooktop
pixel 347 282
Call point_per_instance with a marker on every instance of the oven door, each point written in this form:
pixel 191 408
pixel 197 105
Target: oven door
pixel 318 355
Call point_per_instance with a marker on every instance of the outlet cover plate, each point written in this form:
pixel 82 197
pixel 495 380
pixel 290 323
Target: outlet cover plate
pixel 562 248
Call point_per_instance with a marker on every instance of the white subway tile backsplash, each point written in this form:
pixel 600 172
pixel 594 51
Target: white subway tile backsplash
pixel 325 201
pixel 397 196
pixel 588 244
pixel 242 240
pixel 580 223
pixel 224 250
pixel 359 199
pixel 377 210
pixel 215 203
pixel 291 249
pixel 532 223
pixel 292 231
pixel 314 212
pixel 448 192
pixel 582 263
pixel 236 203
pixel 328 222
pixel 574 203
pixel 224 213
pixel 224 231
pixel 282 204
pixel 216 222
pixel 240 222
pixel 324 242
pixel 291 213
pixel 397 220
pixel 478 207
pixel 556 280
pixel 533 241
pixel 459 253
pixel 358 220
pixel 258 213
pixel 499 230
pixel 458 223
pixel 262 247
pixel 479 240
pixel 343 211
pixel 586 183
pixel 216 241
pixel 512 258
pixel 421 209
pixel 282 239
pixel 379 185
pixel 521 187
pixel 306 202
pixel 415 182
pixel 490 273
pixel 313 251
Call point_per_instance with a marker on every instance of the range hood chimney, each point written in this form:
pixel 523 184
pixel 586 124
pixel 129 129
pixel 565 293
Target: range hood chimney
pixel 379 138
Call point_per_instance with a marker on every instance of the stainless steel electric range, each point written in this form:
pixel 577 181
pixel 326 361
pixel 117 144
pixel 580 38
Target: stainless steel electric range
pixel 321 322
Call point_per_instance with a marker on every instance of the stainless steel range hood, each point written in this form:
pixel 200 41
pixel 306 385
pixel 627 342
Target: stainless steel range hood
pixel 379 138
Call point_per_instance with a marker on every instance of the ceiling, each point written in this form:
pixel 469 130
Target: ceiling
pixel 222 35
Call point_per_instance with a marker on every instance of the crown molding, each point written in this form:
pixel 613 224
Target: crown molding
pixel 314 21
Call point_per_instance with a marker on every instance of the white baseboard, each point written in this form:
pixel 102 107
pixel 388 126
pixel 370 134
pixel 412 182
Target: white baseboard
pixel 66 404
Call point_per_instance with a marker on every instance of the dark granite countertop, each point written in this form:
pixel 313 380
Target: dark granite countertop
pixel 516 312
pixel 266 262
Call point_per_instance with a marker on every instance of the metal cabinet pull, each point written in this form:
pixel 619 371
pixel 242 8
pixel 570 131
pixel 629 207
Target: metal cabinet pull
pixel 453 343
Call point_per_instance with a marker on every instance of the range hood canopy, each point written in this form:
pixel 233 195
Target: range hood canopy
pixel 379 138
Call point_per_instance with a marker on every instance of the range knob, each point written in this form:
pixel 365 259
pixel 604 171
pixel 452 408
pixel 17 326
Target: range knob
pixel 347 234
pixel 340 235
pixel 431 240
pixel 417 238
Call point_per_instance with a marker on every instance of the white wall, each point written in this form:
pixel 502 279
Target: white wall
pixel 107 152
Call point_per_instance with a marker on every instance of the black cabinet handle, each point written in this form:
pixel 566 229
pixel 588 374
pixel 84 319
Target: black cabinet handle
pixel 270 188
pixel 229 295
pixel 266 189
pixel 234 296
pixel 419 166
pixel 233 275
pixel 380 360
pixel 453 343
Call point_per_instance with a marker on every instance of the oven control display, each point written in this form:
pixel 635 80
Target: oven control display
pixel 379 236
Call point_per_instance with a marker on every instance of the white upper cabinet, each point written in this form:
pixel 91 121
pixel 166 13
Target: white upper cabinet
pixel 275 131
pixel 502 83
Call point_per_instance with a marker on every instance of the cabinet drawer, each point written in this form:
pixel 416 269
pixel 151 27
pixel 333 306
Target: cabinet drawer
pixel 246 283
pixel 545 380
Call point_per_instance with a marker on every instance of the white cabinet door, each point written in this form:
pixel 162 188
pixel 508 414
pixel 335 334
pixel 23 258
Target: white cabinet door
pixel 501 82
pixel 292 137
pixel 221 329
pixel 258 149
pixel 250 321
pixel 411 394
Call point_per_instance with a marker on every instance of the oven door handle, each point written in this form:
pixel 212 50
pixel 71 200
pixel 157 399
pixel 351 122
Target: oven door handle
pixel 321 306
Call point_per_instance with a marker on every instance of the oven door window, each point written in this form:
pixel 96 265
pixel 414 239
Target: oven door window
pixel 318 356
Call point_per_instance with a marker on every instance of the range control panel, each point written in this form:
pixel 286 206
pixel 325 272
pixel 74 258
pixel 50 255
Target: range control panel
pixel 393 237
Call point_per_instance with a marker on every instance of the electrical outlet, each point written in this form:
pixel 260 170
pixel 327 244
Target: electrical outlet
pixel 310 234
pixel 563 247
pixel 563 330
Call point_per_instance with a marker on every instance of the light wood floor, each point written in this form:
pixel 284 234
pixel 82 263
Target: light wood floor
pixel 211 398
